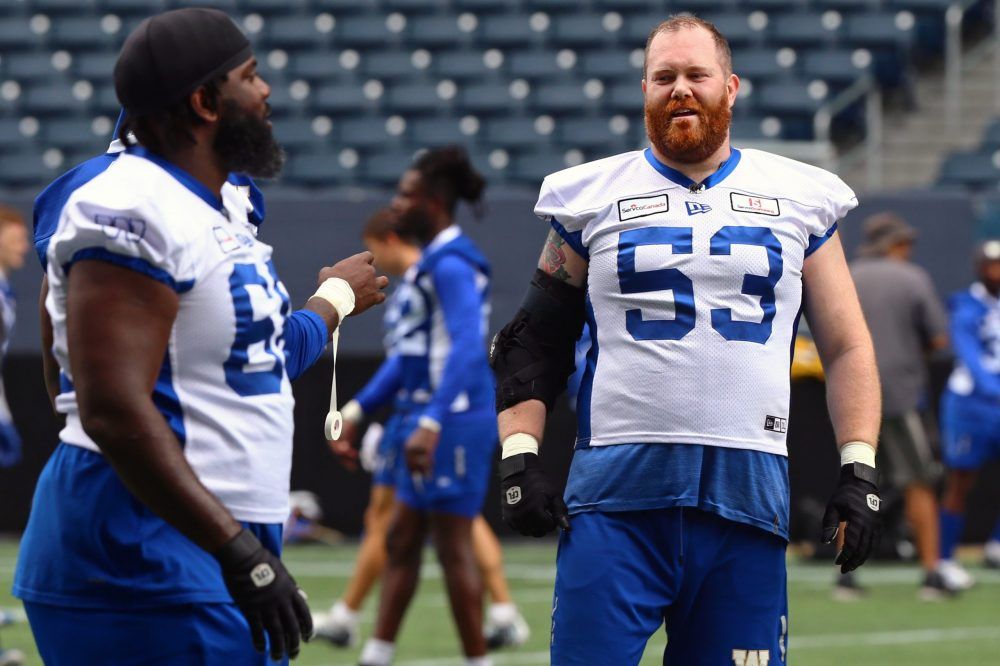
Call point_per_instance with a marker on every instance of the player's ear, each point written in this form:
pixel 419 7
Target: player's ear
pixel 732 88
pixel 204 105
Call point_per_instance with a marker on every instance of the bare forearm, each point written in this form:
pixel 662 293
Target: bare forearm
pixel 149 460
pixel 853 395
pixel 527 417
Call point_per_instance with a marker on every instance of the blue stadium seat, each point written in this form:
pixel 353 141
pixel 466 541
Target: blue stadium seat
pixel 414 98
pixel 802 29
pixel 228 6
pixel 58 6
pixel 748 128
pixel 560 98
pixel 281 101
pixel 368 132
pixel 272 7
pixel 832 65
pixel 105 100
pixel 142 8
pixel 95 66
pixel 73 135
pixel 850 5
pixel 389 65
pixel 507 30
pixel 593 134
pixel 736 27
pixel 638 26
pixel 790 97
pixel 991 137
pixel 15 33
pixel 580 29
pixel 29 66
pixel 486 98
pixel 316 170
pixel 876 29
pixel 434 132
pixel 340 98
pixel 415 6
pixel 461 65
pixel 631 6
pixel 625 97
pixel 604 64
pixel 24 169
pixel 341 7
pixel 757 64
pixel 513 133
pixel 553 6
pixel 436 32
pixel 481 6
pixel 79 33
pixel 386 167
pixel 11 139
pixel 974 170
pixel 776 6
pixel 364 31
pixel 316 66
pixel 294 32
pixel 51 99
pixel 532 168
pixel 535 65
pixel 296 134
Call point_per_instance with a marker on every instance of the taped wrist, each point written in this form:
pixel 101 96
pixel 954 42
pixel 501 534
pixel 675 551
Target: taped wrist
pixel 532 356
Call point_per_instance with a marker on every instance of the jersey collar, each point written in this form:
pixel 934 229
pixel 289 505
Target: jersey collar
pixel 443 237
pixel 676 176
pixel 182 176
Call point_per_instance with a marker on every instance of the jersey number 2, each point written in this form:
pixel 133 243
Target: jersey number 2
pixel 680 240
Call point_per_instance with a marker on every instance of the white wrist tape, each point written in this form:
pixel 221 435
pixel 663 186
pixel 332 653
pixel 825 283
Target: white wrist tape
pixel 861 452
pixel 334 424
pixel 338 293
pixel 352 412
pixel 429 423
pixel 519 442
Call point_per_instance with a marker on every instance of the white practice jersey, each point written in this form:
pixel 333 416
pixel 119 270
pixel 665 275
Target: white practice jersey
pixel 223 388
pixel 693 295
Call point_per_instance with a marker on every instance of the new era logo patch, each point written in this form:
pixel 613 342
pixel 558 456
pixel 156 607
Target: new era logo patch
pixel 629 209
pixel 775 424
pixel 744 203
pixel 695 208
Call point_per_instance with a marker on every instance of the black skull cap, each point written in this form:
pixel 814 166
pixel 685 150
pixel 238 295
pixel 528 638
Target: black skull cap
pixel 168 56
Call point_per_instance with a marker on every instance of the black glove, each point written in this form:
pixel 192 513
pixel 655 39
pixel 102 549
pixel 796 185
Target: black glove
pixel 266 594
pixel 530 504
pixel 856 501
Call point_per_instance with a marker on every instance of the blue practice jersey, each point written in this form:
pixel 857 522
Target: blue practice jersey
pixel 975 336
pixel 10 441
pixel 693 295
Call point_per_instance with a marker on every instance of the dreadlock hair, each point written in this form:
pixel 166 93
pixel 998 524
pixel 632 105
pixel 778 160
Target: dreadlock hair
pixel 448 174
pixel 171 126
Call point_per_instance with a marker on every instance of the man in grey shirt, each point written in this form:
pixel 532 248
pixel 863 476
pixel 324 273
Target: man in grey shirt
pixel 907 323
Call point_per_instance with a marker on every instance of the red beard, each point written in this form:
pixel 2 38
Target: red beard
pixel 681 139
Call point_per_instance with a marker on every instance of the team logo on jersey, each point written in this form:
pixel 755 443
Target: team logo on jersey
pixel 775 424
pixel 744 203
pixel 695 208
pixel 873 501
pixel 513 495
pixel 751 657
pixel 114 225
pixel 629 209
pixel 225 240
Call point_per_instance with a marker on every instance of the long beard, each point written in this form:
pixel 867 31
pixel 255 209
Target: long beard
pixel 682 140
pixel 245 144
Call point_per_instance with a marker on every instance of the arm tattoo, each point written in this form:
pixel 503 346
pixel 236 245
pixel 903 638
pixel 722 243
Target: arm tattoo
pixel 554 258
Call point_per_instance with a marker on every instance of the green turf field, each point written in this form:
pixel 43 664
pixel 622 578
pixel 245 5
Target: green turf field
pixel 889 627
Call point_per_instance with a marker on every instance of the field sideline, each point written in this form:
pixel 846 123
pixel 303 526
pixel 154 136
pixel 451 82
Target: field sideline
pixel 890 627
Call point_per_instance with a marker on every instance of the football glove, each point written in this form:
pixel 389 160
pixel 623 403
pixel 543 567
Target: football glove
pixel 856 501
pixel 531 505
pixel 266 594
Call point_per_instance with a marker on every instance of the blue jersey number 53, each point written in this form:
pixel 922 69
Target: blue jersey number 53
pixel 680 241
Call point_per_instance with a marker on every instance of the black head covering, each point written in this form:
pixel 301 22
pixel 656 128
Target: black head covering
pixel 169 55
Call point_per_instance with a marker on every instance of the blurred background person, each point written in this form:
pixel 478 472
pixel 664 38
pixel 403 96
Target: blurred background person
pixel 908 323
pixel 504 627
pixel 970 406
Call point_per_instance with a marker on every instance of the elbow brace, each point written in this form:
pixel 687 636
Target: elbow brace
pixel 532 356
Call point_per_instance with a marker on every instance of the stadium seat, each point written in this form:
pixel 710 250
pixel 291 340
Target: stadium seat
pixel 316 66
pixel 560 98
pixel 385 168
pixel 486 98
pixel 593 134
pixel 481 6
pixel 364 132
pixel 272 7
pixel 507 30
pixel 228 6
pixel 991 137
pixel 294 32
pixel 316 170
pixel 24 169
pixel 840 66
pixel 141 8
pixel 630 6
pixel 791 97
pixel 50 99
pixel 340 98
pixel 554 6
pixel 364 31
pixel 414 98
pixel 73 135
pixel 390 65
pixel 513 133
pixel 973 170
pixel 297 134
pixel 758 64
pixel 415 6
pixel 105 100
pixel 16 33
pixel 29 66
pixel 637 27
pixel 51 7
pixel 531 168
pixel 748 128
pixel 877 29
pixel 625 97
pixel 572 29
pixel 95 66
pixel 612 65
pixel 803 29
pixel 535 65
pixel 342 7
pixel 434 132
pixel 80 33
pixel 462 65
pixel 11 139
pixel 737 29
pixel 436 32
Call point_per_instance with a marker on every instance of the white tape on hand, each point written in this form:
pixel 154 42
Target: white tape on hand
pixel 334 420
pixel 857 451
pixel 338 293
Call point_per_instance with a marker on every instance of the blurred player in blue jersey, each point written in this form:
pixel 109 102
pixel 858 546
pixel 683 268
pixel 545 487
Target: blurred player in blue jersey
pixel 970 406
pixel 156 525
pixel 690 262
pixel 447 429
pixel 398 256
pixel 13 246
